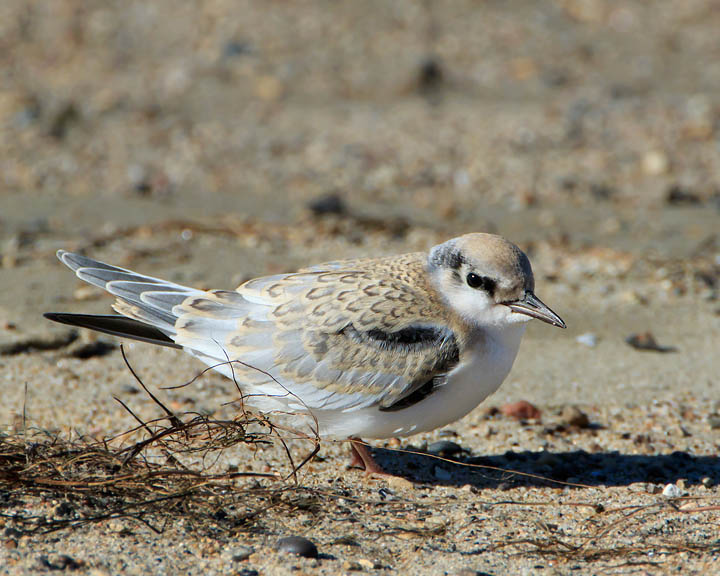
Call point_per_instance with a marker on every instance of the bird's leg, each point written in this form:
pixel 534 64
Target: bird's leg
pixel 362 458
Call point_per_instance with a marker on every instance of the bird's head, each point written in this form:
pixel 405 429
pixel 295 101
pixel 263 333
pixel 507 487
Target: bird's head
pixel 487 281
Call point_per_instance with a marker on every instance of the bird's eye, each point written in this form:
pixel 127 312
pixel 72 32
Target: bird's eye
pixel 480 282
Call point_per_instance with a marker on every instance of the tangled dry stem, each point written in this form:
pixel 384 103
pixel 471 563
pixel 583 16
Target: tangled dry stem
pixel 147 479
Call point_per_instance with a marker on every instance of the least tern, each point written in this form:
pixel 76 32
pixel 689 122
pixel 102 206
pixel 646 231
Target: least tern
pixel 375 347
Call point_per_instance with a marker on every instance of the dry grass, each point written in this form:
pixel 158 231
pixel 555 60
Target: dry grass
pixel 170 472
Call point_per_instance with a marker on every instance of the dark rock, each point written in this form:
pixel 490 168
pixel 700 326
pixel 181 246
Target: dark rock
pixel 646 342
pixel 385 494
pixel 679 196
pixel 297 545
pixel 328 204
pixel 430 74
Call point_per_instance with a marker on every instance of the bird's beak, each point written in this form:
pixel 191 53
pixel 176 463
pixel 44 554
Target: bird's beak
pixel 532 306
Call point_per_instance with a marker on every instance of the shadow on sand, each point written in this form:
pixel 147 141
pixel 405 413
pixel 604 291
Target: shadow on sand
pixel 548 468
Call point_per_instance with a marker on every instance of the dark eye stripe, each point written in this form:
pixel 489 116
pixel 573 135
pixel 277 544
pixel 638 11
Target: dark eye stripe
pixel 480 282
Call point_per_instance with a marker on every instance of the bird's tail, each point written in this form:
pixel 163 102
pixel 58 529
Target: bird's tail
pixel 147 304
pixel 114 325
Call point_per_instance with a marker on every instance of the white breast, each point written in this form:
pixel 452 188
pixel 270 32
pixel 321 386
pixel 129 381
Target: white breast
pixel 484 365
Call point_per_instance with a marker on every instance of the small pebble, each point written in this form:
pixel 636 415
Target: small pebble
pixel 672 491
pixel 646 341
pixel 588 339
pixel 707 482
pixel 240 553
pixel 521 410
pixel 648 487
pixel 327 204
pixel 297 545
pixel 385 494
pixel 573 416
pixel 444 448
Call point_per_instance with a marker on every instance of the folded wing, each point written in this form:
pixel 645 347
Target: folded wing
pixel 343 336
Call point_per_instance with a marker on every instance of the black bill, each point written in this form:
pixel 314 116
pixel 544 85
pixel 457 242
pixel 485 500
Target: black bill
pixel 532 306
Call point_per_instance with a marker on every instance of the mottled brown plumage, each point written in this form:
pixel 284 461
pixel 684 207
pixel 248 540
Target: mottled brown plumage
pixel 383 346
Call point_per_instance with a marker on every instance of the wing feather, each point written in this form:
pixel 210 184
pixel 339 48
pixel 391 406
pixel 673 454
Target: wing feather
pixel 338 336
pixel 348 338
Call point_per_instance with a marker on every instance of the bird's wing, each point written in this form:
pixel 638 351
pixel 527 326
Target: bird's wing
pixel 329 337
pixel 143 298
pixel 340 336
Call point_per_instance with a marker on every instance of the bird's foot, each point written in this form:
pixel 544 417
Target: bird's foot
pixel 362 458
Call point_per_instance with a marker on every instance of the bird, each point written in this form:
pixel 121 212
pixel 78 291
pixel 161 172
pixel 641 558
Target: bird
pixel 375 348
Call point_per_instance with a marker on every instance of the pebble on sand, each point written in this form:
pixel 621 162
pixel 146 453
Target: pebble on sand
pixel 240 552
pixel 445 448
pixel 672 491
pixel 521 410
pixel 573 416
pixel 297 545
pixel 646 342
pixel 588 339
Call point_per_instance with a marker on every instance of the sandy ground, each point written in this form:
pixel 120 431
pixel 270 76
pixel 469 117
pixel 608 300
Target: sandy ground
pixel 189 141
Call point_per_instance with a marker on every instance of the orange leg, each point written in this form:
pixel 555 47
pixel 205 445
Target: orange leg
pixel 362 458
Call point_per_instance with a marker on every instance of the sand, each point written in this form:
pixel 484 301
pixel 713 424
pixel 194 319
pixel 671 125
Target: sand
pixel 189 143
